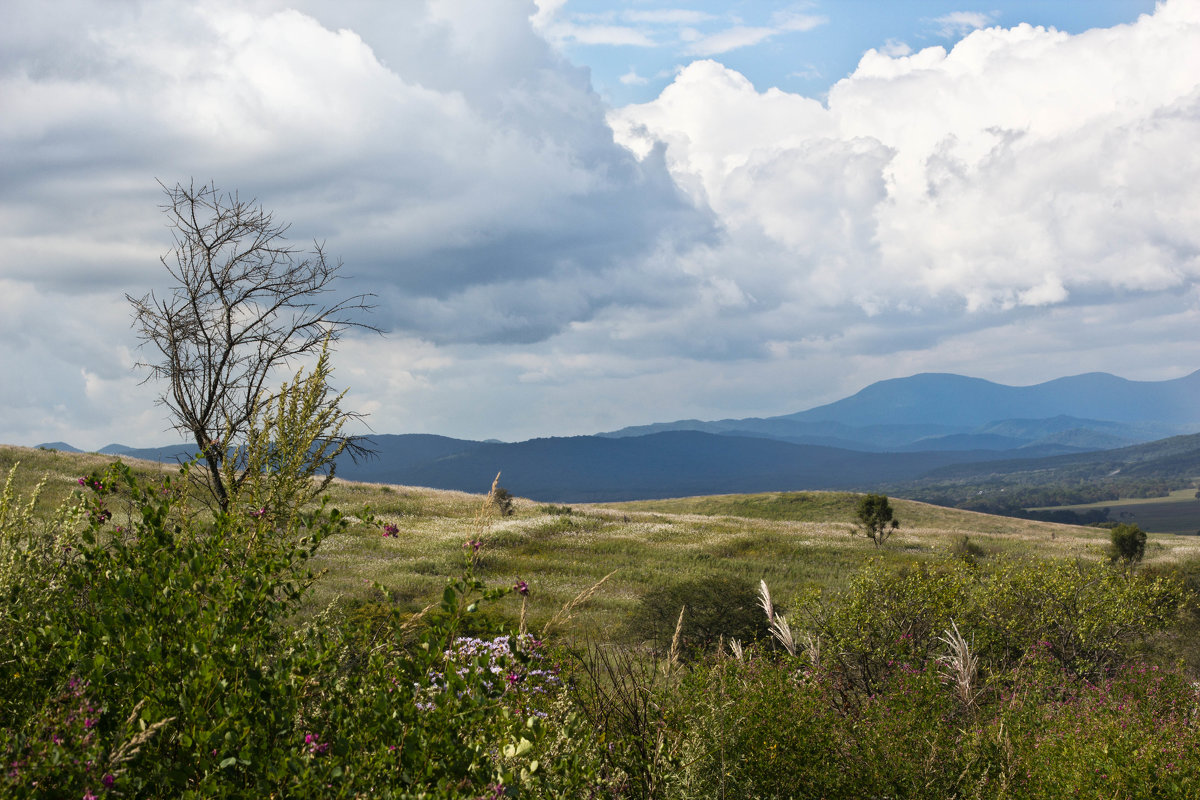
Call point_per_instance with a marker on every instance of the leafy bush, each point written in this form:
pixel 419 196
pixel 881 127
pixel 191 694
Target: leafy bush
pixel 876 517
pixel 159 659
pixel 715 607
pixel 1127 544
pixel 149 651
pixel 1088 618
pixel 502 501
pixel 970 552
pixel 888 620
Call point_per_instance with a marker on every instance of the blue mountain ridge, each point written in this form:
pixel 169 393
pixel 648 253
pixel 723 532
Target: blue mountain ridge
pixel 941 410
pixel 890 432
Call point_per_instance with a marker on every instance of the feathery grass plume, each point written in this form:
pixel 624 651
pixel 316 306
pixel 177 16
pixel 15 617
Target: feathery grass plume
pixel 777 623
pixel 12 516
pixel 489 502
pixel 482 524
pixel 567 612
pixel 412 621
pixel 812 649
pixel 960 666
pixel 129 748
pixel 735 647
pixel 673 656
pixel 764 600
pixel 783 632
pixel 293 439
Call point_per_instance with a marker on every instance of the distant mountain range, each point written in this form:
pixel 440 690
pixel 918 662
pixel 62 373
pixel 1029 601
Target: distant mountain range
pixel 890 433
pixel 938 411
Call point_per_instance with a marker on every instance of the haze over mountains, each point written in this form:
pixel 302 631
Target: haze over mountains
pixel 938 411
pixel 890 432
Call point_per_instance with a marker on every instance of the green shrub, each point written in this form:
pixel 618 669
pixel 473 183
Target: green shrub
pixel 759 728
pixel 715 608
pixel 161 661
pixel 968 551
pixel 502 501
pixel 876 518
pixel 1127 544
pixel 1087 617
pixel 553 509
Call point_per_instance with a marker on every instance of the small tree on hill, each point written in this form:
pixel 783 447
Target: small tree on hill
pixel 244 303
pixel 502 500
pixel 1127 544
pixel 876 518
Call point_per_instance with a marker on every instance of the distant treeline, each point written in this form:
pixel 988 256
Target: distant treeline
pixel 1013 499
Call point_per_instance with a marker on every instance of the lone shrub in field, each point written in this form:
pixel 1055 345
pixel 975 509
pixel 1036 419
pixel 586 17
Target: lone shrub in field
pixel 876 517
pixel 1127 544
pixel 502 500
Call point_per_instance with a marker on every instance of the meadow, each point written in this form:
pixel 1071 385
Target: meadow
pixel 419 643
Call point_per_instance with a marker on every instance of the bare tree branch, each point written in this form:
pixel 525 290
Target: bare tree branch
pixel 245 302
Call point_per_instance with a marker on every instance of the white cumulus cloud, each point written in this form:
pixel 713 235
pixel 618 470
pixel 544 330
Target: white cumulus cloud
pixel 1021 167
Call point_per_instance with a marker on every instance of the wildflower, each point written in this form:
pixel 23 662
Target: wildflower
pixel 390 530
pixel 259 512
pixel 473 544
pixel 521 587
pixel 108 781
pixel 314 744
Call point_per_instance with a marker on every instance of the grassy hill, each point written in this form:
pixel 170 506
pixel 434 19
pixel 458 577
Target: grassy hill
pixel 793 540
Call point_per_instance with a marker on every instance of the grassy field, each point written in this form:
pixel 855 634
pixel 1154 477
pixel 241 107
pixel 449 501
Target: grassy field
pixel 1178 513
pixel 793 540
pixel 1062 673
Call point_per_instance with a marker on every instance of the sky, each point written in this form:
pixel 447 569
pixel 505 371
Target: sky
pixel 577 215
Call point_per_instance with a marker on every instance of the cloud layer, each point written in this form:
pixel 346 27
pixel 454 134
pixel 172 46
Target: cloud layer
pixel 1022 168
pixel 1019 207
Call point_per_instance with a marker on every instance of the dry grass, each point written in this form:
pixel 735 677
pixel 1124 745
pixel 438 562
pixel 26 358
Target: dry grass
pixel 594 565
pixel 959 666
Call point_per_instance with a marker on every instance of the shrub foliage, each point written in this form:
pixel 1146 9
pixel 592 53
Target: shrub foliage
pixel 149 650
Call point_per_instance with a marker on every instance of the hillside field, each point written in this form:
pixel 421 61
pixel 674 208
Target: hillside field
pixel 793 540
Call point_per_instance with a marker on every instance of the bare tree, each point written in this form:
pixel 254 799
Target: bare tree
pixel 245 302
